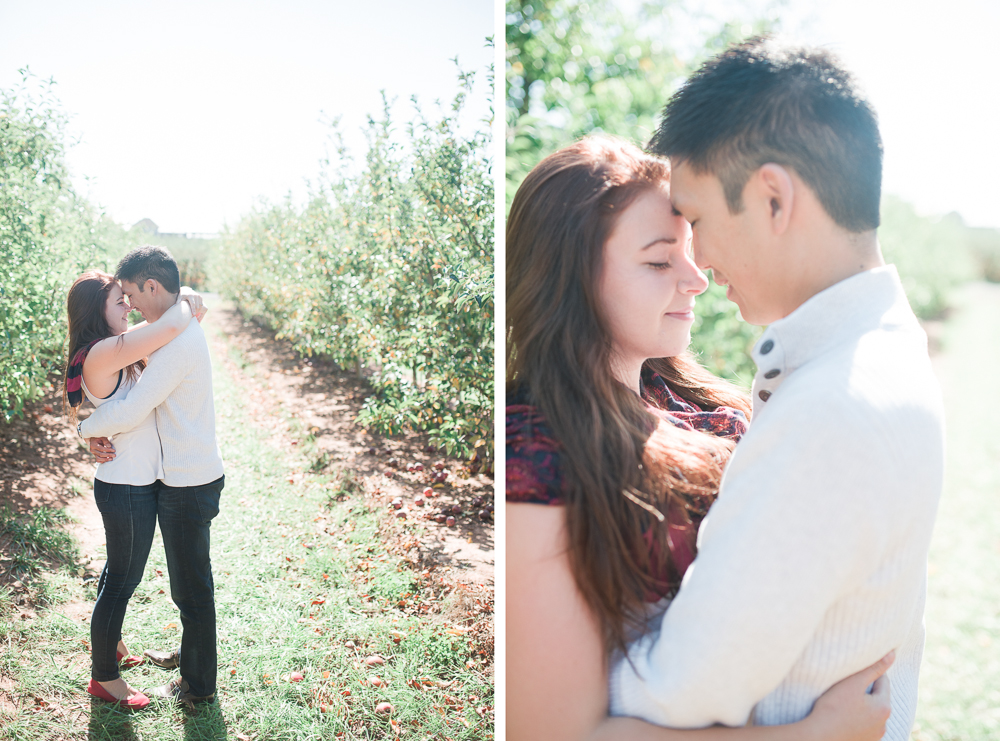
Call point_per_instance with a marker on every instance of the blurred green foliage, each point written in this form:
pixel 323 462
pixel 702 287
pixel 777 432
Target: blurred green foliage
pixel 932 255
pixel 48 235
pixel 389 272
pixel 192 255
pixel 575 68
pixel 984 245
pixel 578 67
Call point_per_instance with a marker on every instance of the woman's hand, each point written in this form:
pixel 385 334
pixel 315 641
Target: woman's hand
pixel 102 448
pixel 846 712
pixel 193 298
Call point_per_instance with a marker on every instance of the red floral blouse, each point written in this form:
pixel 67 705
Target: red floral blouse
pixel 534 475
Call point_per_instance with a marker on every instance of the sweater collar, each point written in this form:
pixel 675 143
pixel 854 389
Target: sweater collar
pixel 843 311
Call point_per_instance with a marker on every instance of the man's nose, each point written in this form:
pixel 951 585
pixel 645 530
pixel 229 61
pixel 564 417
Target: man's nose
pixel 697 254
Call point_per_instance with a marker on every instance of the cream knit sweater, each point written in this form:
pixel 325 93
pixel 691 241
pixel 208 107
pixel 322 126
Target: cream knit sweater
pixel 178 384
pixel 812 563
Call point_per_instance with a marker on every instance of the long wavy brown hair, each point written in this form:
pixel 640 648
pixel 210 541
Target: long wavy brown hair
pixel 622 468
pixel 85 305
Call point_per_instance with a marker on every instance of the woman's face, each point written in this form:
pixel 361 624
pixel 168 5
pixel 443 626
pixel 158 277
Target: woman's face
pixel 116 309
pixel 648 281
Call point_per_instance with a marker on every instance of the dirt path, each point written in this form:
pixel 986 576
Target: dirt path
pixel 960 675
pixel 308 401
pixel 44 464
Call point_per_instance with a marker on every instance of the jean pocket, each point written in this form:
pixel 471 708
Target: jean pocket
pixel 207 499
pixel 102 492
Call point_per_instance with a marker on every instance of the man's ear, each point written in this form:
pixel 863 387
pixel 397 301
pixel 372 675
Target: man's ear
pixel 776 188
pixel 152 286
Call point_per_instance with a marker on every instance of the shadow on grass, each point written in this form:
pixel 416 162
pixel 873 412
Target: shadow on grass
pixel 206 723
pixel 109 723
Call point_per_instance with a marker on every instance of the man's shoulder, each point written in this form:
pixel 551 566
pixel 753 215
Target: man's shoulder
pixel 868 396
pixel 193 332
pixel 191 339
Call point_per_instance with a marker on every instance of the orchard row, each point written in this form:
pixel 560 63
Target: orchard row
pixel 389 273
pixel 48 235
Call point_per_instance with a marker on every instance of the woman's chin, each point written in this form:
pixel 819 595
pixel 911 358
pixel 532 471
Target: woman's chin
pixel 677 348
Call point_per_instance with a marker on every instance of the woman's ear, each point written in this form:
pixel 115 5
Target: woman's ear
pixel 776 188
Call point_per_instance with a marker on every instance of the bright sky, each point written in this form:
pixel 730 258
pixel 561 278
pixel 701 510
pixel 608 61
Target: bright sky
pixel 930 69
pixel 187 112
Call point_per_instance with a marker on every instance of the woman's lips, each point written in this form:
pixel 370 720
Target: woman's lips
pixel 687 315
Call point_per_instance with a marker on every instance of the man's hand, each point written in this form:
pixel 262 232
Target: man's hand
pixel 102 449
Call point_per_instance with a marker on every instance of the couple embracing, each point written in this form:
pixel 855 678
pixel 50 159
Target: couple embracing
pixel 681 556
pixel 152 386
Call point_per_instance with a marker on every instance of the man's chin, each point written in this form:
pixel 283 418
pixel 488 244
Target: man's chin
pixel 746 313
pixel 754 317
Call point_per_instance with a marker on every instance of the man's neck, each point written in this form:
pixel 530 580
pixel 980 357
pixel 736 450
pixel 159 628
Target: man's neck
pixel 829 259
pixel 169 299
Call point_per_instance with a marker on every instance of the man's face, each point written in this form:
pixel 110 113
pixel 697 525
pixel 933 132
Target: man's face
pixel 139 301
pixel 728 244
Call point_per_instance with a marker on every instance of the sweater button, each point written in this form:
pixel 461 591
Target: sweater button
pixel 766 347
pixel 764 395
pixel 772 373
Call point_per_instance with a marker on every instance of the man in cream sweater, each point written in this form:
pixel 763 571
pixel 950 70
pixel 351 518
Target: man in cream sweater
pixel 177 383
pixel 812 563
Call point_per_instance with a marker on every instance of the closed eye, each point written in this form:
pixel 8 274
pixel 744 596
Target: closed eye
pixel 659 265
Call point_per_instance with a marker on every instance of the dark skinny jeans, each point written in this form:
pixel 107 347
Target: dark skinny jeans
pixel 185 515
pixel 129 514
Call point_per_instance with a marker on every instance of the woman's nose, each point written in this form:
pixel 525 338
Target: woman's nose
pixel 695 281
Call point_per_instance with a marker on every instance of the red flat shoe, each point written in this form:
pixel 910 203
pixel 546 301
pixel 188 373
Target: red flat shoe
pixel 127 662
pixel 136 702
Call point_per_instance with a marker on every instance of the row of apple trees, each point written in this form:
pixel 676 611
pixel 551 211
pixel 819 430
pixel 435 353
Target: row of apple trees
pixel 388 271
pixel 48 235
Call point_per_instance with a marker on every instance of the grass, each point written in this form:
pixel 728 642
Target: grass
pixel 312 576
pixel 960 677
pixel 36 540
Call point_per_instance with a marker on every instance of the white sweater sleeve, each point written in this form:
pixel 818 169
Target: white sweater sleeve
pixel 796 522
pixel 166 370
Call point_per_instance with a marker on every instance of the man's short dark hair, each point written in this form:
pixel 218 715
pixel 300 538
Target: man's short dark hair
pixel 761 102
pixel 150 261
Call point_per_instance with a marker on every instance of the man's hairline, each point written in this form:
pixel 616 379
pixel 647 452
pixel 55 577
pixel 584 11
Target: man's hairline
pixel 705 168
pixel 142 286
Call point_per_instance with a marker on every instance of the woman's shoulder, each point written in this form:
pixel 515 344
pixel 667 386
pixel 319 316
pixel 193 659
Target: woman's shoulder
pixel 533 454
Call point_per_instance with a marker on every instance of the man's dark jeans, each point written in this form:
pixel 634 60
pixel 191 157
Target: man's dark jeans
pixel 129 514
pixel 185 514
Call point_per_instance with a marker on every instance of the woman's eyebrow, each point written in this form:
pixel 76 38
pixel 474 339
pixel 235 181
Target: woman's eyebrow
pixel 668 240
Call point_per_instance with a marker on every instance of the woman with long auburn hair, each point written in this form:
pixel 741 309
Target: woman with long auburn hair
pixel 616 444
pixel 104 360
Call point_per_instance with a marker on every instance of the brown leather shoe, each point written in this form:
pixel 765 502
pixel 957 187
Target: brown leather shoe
pixel 177 690
pixel 164 659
